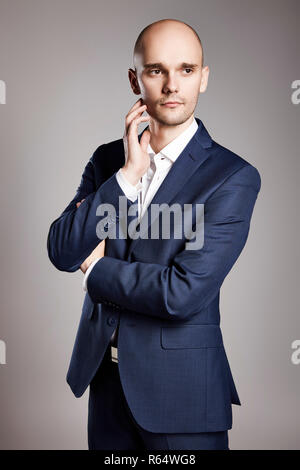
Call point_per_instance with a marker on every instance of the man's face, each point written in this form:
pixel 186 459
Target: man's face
pixel 170 70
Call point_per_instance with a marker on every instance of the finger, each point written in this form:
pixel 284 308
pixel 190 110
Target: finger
pixel 136 105
pixel 78 203
pixel 139 102
pixel 132 136
pixel 135 122
pixel 131 115
pixel 145 139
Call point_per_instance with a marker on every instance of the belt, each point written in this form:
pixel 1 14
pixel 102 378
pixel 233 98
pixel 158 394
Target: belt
pixel 114 354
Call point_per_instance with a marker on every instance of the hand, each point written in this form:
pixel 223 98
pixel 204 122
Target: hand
pixel 78 203
pixel 137 160
pixel 98 252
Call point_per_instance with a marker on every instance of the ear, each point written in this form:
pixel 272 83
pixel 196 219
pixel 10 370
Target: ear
pixel 204 79
pixel 134 82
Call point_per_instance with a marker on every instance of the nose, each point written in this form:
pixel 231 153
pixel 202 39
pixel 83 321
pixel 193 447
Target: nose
pixel 170 85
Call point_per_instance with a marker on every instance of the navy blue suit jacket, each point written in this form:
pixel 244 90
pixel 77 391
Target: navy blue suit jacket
pixel 172 361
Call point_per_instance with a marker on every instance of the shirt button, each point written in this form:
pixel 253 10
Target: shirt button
pixel 111 321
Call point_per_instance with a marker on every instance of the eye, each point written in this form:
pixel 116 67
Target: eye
pixel 158 70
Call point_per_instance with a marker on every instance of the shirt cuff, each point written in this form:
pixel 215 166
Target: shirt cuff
pixel 86 275
pixel 130 191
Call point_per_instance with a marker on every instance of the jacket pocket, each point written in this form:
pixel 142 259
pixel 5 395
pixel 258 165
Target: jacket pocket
pixel 191 337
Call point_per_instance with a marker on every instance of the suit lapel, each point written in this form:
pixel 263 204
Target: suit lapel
pixel 192 156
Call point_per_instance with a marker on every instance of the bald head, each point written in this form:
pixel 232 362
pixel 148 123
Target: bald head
pixel 163 27
pixel 168 62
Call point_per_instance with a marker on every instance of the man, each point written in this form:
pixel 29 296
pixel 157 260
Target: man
pixel 149 342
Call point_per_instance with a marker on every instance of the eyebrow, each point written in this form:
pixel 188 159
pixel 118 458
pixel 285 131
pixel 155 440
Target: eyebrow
pixel 160 65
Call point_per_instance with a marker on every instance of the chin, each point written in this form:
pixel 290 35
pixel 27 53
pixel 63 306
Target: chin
pixel 171 119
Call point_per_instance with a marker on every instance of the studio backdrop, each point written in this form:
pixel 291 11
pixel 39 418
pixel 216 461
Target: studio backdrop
pixel 64 90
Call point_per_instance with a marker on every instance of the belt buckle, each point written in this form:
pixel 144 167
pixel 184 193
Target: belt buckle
pixel 114 354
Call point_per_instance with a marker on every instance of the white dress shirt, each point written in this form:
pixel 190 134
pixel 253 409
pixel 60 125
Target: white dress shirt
pixel 160 165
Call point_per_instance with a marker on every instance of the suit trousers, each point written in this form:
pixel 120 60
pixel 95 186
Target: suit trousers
pixel 111 425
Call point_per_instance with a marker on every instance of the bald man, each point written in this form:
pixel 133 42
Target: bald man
pixel 149 342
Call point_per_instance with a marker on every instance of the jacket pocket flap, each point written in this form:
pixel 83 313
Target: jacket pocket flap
pixel 191 336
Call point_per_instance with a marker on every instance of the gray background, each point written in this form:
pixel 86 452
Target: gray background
pixel 65 65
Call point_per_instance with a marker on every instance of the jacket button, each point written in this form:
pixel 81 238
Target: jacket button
pixel 111 321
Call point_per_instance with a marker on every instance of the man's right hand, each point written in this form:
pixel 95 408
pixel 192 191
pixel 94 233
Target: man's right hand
pixel 137 160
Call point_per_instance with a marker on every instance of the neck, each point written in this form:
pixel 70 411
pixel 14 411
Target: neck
pixel 162 135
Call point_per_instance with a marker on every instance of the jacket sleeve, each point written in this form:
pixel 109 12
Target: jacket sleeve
pixel 195 276
pixel 73 235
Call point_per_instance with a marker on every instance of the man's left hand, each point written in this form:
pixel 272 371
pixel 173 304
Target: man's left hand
pixel 98 252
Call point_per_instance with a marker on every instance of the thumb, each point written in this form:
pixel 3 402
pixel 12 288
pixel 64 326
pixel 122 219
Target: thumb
pixel 145 139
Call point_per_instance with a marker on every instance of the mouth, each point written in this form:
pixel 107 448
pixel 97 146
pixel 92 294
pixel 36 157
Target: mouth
pixel 171 104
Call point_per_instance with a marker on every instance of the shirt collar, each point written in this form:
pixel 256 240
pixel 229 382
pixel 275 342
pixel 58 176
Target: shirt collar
pixel 174 148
